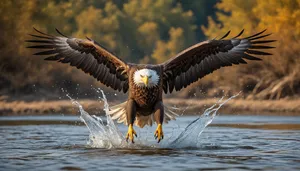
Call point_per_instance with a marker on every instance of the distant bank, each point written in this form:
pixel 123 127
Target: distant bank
pixel 188 107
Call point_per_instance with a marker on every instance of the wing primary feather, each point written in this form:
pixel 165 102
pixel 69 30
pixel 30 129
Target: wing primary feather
pixel 242 61
pixel 225 35
pixel 259 37
pixel 255 34
pixel 50 36
pixel 250 57
pixel 53 58
pixel 255 52
pixel 60 33
pixel 42 37
pixel 261 47
pixel 39 41
pixel 88 38
pixel 223 58
pixel 49 52
pixel 70 58
pixel 42 46
pixel 262 41
pixel 233 59
pixel 239 34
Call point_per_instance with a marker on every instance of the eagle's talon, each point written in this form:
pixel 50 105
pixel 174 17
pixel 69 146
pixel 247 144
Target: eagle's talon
pixel 130 134
pixel 159 133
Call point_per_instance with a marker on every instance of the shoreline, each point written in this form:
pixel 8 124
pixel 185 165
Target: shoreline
pixel 189 106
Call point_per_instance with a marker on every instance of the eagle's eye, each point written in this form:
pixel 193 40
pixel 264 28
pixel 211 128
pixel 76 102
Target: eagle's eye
pixel 142 76
pixel 150 76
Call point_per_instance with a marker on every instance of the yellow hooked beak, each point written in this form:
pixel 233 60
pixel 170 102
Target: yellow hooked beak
pixel 145 80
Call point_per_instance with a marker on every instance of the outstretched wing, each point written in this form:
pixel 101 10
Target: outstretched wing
pixel 85 54
pixel 203 58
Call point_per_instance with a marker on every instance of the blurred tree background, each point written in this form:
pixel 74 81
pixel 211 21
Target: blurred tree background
pixel 146 31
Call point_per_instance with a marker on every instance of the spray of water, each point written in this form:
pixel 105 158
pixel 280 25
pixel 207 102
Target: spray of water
pixel 107 135
pixel 190 137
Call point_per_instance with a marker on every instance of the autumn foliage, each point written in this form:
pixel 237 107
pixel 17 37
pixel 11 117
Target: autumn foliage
pixel 146 31
pixel 277 76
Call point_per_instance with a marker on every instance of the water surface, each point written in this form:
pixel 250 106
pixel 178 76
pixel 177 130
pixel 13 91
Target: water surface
pixel 228 143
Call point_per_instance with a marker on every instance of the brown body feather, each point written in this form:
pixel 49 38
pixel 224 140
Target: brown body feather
pixel 145 98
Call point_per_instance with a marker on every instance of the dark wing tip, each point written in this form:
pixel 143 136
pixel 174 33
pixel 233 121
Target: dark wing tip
pixel 35 29
pixel 261 47
pixel 257 34
pixel 259 37
pixel 61 33
pixel 52 58
pixel 262 41
pixel 255 52
pixel 250 57
pixel 239 34
pixel 49 36
pixel 225 35
pixel 88 38
pixel 48 52
pixel 47 46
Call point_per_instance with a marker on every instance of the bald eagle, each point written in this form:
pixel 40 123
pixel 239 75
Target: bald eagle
pixel 145 83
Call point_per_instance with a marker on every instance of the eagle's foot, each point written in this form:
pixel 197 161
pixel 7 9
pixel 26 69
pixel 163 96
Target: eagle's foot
pixel 159 135
pixel 130 133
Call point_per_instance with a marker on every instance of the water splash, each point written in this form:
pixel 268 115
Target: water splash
pixel 107 135
pixel 190 137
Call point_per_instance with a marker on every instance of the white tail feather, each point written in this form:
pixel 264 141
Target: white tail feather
pixel 118 112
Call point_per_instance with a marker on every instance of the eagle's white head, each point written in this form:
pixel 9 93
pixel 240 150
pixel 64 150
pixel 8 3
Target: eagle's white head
pixel 145 78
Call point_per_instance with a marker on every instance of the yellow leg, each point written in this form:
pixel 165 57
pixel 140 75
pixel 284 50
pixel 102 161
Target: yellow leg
pixel 159 135
pixel 130 133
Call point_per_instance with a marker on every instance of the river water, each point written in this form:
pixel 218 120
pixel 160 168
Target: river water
pixel 204 142
pixel 228 143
